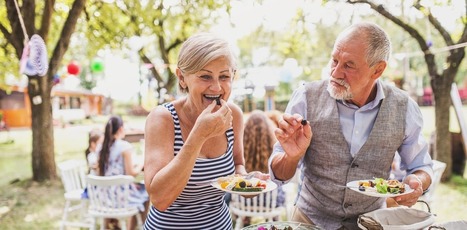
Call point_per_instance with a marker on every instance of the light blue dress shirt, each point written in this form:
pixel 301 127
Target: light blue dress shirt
pixel 356 126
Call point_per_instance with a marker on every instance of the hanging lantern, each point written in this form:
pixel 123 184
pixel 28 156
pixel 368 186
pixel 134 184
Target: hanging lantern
pixel 97 65
pixel 34 58
pixel 73 68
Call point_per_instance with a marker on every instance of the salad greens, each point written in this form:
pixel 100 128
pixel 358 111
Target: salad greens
pixel 381 185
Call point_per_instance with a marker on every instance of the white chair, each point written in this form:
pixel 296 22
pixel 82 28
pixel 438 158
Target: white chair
pixel 438 169
pixel 263 205
pixel 109 198
pixel 72 173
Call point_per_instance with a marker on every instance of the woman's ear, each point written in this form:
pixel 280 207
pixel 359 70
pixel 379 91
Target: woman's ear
pixel 181 79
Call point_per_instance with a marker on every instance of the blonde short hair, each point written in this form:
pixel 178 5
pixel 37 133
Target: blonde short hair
pixel 200 49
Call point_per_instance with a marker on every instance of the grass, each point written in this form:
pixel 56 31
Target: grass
pixel 31 205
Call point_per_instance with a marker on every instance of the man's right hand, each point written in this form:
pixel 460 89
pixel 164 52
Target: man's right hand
pixel 293 136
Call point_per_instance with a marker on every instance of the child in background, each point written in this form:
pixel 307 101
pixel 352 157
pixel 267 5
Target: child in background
pixel 115 157
pixel 95 141
pixel 258 142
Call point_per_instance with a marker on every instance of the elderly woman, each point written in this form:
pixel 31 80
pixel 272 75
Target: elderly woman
pixel 194 139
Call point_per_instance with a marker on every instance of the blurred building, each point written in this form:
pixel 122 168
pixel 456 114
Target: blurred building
pixel 67 105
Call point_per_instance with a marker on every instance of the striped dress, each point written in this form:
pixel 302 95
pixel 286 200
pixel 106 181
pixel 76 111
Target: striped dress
pixel 199 206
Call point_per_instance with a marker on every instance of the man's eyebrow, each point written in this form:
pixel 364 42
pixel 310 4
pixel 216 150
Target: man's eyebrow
pixel 350 63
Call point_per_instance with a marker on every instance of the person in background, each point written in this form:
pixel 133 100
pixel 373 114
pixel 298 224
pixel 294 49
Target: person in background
pixel 355 125
pixel 258 142
pixel 116 158
pixel 193 140
pixel 94 143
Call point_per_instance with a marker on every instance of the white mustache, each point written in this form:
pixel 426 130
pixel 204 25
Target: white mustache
pixel 341 82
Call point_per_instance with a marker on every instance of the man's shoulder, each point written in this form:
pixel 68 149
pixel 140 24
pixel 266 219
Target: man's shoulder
pixel 391 90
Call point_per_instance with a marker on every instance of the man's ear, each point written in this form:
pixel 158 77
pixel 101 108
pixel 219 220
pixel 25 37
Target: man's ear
pixel 379 69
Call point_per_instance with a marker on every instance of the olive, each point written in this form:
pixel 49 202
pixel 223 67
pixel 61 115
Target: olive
pixel 242 184
pixel 361 188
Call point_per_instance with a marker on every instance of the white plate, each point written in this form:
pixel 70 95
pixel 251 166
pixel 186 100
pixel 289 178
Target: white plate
pixel 372 192
pixel 269 187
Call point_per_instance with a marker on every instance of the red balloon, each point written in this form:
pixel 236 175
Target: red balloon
pixel 73 68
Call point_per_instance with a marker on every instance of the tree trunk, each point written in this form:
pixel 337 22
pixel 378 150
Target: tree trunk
pixel 43 154
pixel 441 90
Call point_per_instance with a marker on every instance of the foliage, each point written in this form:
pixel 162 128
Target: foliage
pixel 150 31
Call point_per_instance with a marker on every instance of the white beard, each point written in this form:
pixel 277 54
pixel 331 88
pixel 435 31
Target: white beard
pixel 338 93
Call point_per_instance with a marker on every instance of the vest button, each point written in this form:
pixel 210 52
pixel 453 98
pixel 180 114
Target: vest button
pixel 346 205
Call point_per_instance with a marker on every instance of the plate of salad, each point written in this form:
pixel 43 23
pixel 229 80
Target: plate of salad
pixel 237 184
pixel 379 187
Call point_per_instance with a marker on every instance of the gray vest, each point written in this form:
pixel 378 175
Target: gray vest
pixel 328 164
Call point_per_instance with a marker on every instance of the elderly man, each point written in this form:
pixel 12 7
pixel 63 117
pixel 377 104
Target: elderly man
pixel 356 125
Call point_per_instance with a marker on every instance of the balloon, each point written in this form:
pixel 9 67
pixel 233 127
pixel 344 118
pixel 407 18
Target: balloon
pixel 73 68
pixel 56 79
pixel 97 65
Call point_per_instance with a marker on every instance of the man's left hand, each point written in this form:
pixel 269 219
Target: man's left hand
pixel 411 198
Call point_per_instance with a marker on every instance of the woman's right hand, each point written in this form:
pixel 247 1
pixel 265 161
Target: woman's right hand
pixel 214 120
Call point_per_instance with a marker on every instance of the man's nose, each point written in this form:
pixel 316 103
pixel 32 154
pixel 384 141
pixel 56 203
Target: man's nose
pixel 336 71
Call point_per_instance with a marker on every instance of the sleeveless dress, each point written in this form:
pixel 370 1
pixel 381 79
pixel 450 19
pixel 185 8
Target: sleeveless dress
pixel 116 166
pixel 199 206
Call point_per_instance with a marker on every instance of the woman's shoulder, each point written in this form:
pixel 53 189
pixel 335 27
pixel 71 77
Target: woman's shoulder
pixel 236 110
pixel 160 113
pixel 160 120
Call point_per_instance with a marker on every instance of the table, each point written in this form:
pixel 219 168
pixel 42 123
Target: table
pixel 280 225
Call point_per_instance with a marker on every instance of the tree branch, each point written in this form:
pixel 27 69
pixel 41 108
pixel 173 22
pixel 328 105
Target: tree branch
pixel 5 32
pixel 16 37
pixel 153 70
pixel 445 34
pixel 464 33
pixel 413 32
pixel 46 19
pixel 176 43
pixel 28 13
pixel 429 56
pixel 64 41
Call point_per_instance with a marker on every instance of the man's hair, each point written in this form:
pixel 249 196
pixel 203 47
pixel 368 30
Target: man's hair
pixel 378 43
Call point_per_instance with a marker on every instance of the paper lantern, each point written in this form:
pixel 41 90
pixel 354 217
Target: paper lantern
pixel 34 58
pixel 97 65
pixel 73 68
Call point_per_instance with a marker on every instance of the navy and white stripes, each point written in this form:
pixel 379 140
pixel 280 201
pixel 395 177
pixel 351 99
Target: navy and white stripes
pixel 199 206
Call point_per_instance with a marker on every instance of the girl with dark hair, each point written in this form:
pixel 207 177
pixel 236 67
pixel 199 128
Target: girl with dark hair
pixel 116 158
pixel 94 143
